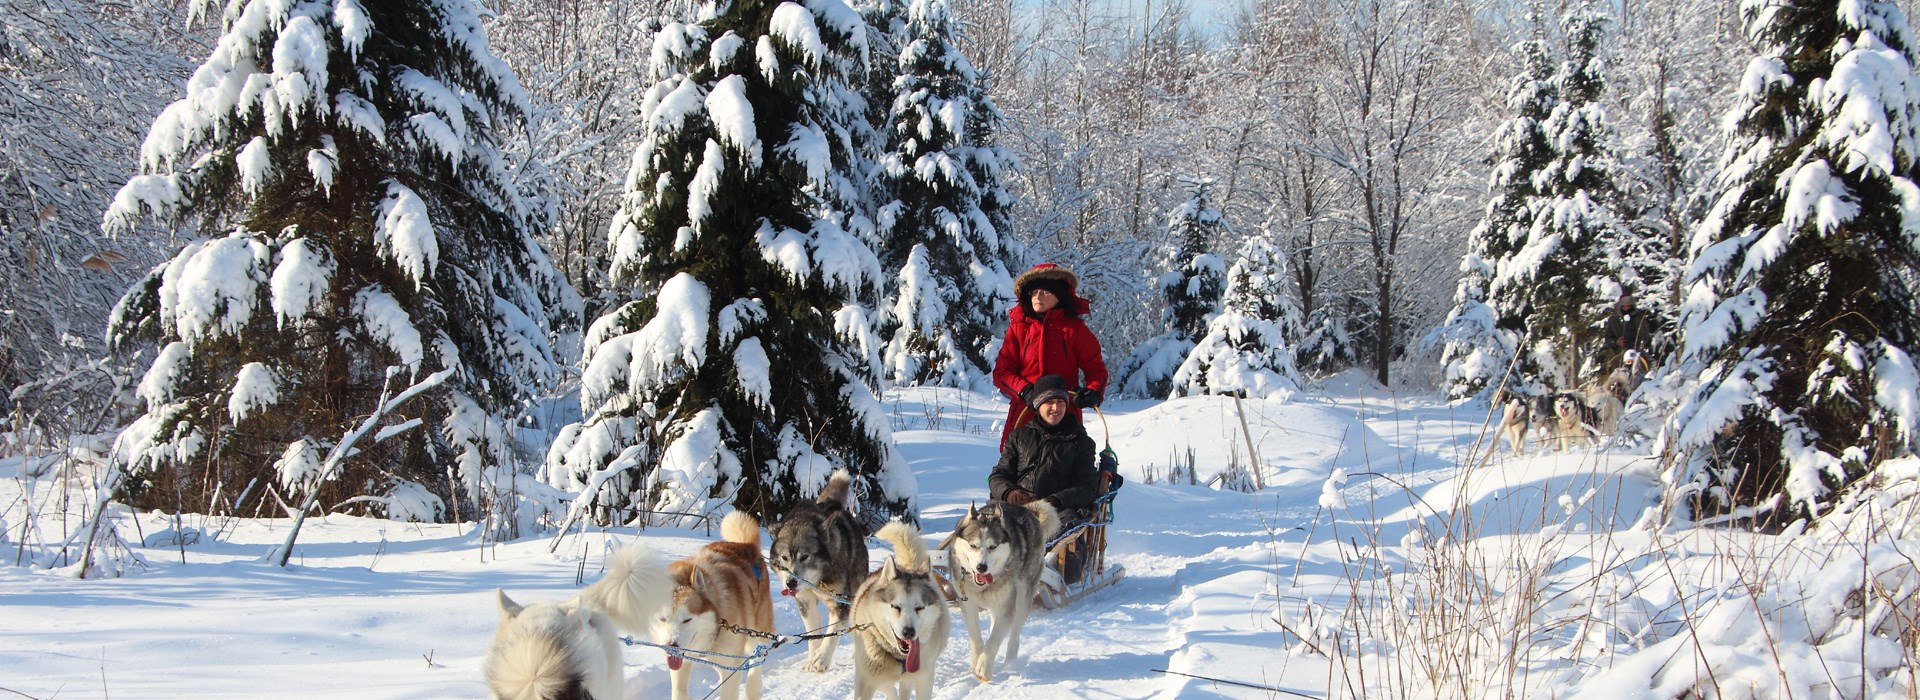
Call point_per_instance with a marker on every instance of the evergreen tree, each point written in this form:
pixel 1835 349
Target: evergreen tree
pixel 1248 349
pixel 886 36
pixel 938 241
pixel 1800 313
pixel 360 233
pixel 1557 283
pixel 1191 288
pixel 733 245
pixel 1481 334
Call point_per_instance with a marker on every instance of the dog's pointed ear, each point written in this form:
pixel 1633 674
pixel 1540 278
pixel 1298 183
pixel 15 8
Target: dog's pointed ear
pixel 508 608
pixel 972 509
pixel 698 581
pixel 887 569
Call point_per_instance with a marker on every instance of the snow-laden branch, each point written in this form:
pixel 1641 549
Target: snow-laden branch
pixel 278 556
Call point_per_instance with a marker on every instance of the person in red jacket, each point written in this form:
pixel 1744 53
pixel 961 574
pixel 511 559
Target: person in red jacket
pixel 1046 336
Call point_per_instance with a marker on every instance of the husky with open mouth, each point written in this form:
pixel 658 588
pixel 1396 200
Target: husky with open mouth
pixel 820 556
pixel 720 590
pixel 998 552
pixel 900 621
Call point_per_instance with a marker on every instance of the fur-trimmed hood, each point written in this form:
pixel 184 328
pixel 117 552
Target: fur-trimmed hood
pixel 1072 303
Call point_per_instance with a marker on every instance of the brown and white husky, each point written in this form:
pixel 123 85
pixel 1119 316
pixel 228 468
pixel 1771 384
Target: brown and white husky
pixel 721 587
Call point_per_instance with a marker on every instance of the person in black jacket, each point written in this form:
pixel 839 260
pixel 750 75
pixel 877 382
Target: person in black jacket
pixel 1052 458
pixel 1626 329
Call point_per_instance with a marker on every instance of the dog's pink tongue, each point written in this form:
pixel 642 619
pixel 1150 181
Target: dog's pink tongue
pixel 913 656
pixel 673 662
pixel 983 579
pixel 786 592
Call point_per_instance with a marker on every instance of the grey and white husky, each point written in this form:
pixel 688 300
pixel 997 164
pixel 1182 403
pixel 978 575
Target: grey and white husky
pixel 998 552
pixel 900 621
pixel 820 557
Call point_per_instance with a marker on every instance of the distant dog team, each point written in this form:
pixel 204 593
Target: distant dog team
pixel 1563 420
pixel 711 605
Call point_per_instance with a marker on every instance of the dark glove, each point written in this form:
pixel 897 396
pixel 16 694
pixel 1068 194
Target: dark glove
pixel 1115 481
pixel 1018 497
pixel 1026 395
pixel 1087 398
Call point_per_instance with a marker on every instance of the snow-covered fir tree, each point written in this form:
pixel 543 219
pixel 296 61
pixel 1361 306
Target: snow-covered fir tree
pixel 1478 339
pixel 1800 314
pixel 1248 349
pixel 886 36
pixel 357 234
pixel 738 370
pixel 941 247
pixel 1197 277
pixel 1556 283
pixel 1191 288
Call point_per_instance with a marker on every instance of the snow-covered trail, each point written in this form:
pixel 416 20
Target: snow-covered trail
pixel 373 608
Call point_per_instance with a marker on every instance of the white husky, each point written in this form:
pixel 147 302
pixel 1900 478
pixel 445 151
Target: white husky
pixel 900 621
pixel 571 649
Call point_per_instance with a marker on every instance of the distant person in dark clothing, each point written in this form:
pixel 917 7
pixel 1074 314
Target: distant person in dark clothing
pixel 1627 329
pixel 1624 339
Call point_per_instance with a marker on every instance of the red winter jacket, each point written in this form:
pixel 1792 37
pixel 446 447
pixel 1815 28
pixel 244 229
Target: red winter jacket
pixel 1035 346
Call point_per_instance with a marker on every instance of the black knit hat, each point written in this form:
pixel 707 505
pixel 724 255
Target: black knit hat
pixel 1048 388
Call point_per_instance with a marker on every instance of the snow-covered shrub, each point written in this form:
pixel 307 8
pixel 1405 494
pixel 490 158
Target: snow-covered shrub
pixel 1248 349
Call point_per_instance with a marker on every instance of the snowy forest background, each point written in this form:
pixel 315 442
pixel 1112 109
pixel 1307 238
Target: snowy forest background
pixel 543 262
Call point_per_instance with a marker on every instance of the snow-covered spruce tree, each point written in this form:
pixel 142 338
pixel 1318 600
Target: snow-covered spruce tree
pixel 886 36
pixel 948 260
pixel 1191 288
pixel 730 241
pixel 1479 336
pixel 1556 283
pixel 359 233
pixel 1248 349
pixel 1800 313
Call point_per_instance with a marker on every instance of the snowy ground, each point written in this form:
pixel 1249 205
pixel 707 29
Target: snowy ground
pixel 1412 576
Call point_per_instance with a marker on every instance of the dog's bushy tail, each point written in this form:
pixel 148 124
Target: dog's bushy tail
pixel 1049 518
pixel 909 551
pixel 838 487
pixel 635 588
pixel 534 655
pixel 742 528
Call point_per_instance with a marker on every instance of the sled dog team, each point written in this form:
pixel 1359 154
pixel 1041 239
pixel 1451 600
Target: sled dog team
pixel 716 605
pixel 1563 420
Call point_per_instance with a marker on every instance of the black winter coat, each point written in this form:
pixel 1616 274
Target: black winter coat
pixel 1053 462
